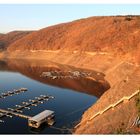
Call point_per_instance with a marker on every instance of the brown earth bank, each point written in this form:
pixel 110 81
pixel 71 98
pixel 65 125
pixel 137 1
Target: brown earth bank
pixel 110 45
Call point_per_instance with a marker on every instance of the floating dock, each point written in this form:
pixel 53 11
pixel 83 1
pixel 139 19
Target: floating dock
pixel 34 121
pixel 41 118
pixel 9 113
pixel 31 102
pixel 14 92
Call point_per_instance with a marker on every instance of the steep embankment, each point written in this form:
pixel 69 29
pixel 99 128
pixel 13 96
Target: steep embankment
pixel 125 80
pixel 110 45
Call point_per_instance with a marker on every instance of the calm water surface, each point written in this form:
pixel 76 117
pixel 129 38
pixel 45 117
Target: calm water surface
pixel 72 97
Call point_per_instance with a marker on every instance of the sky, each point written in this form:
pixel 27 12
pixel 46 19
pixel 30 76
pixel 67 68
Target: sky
pixel 37 16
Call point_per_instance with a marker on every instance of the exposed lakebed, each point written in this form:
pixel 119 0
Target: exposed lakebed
pixel 72 95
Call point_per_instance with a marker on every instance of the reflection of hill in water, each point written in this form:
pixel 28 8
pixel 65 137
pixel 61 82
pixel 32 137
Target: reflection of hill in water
pixel 34 69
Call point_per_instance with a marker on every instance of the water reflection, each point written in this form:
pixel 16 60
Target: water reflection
pixel 72 96
pixel 34 68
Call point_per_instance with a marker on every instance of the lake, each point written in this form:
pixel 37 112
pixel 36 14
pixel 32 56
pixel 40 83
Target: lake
pixel 72 96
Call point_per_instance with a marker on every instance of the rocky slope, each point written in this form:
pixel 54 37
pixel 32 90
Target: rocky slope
pixel 110 45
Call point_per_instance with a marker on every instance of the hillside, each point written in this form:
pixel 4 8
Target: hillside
pixel 91 34
pixel 7 39
pixel 108 45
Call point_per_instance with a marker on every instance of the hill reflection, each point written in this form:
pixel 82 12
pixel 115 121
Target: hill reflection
pixel 34 68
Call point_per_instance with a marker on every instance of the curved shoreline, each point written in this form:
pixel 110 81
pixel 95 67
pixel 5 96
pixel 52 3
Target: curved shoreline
pixel 116 71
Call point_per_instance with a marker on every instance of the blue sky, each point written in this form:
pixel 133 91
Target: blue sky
pixel 30 17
